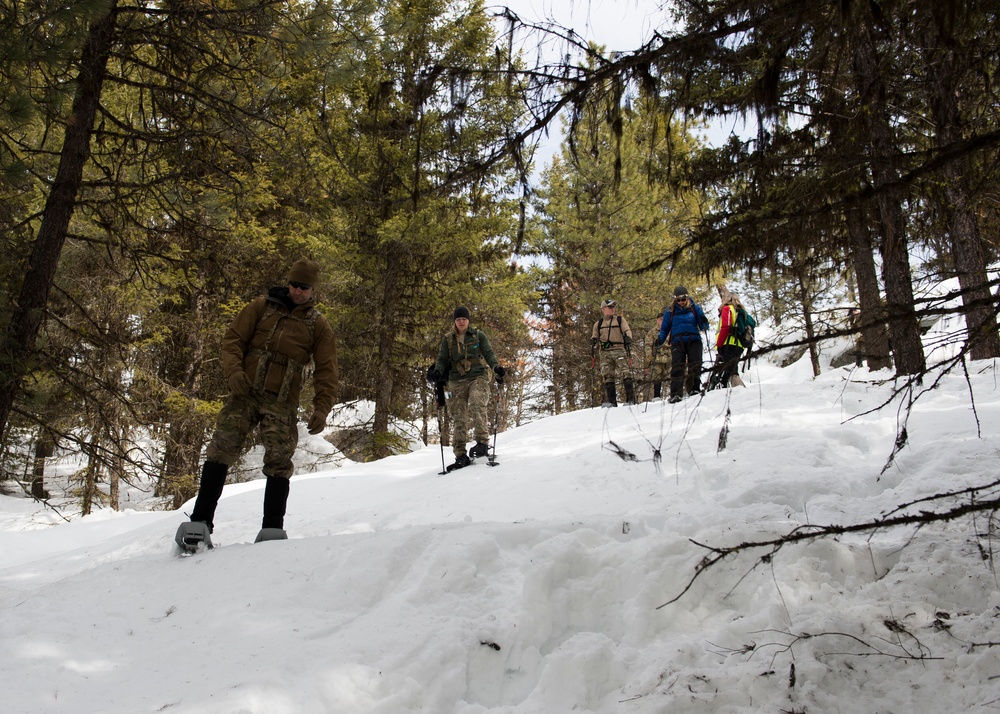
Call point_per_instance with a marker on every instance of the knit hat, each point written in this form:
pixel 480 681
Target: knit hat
pixel 305 271
pixel 462 312
pixel 680 290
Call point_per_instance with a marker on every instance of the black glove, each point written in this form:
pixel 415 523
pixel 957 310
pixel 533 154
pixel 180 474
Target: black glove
pixel 593 343
pixel 433 376
pixel 628 341
pixel 499 371
pixel 657 343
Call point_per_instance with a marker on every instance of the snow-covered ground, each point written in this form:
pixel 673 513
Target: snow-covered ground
pixel 539 586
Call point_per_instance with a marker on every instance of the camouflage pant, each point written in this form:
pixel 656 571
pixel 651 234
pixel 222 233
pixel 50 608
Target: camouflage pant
pixel 446 426
pixel 469 400
pixel 658 373
pixel 278 431
pixel 613 361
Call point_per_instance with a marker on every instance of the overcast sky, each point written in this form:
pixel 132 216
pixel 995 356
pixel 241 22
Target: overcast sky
pixel 618 25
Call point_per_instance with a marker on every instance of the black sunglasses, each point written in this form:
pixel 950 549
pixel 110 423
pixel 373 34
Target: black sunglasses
pixel 300 286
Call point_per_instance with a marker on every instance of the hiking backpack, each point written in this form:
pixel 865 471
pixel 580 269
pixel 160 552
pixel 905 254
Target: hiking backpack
pixel 742 328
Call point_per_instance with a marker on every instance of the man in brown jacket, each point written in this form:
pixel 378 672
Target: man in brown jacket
pixel 264 352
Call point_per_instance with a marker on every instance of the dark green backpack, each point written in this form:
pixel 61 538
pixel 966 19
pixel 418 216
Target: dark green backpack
pixel 742 329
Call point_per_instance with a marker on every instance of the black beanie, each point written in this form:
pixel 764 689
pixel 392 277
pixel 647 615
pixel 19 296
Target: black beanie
pixel 462 312
pixel 680 290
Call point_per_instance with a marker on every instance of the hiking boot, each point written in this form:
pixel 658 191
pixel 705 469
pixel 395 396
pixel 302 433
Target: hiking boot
pixel 480 449
pixel 629 392
pixel 461 460
pixel 674 398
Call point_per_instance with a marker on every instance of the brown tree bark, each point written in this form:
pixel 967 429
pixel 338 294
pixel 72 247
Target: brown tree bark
pixel 879 139
pixel 967 247
pixel 21 332
pixel 44 448
pixel 874 336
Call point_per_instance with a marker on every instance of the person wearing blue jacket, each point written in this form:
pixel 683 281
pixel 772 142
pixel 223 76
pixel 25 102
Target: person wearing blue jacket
pixel 682 325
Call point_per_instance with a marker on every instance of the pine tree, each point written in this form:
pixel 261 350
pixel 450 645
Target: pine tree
pixel 605 222
pixel 419 238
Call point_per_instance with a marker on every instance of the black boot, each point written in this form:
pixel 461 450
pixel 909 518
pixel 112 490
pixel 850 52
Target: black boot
pixel 213 478
pixel 275 499
pixel 656 390
pixel 629 391
pixel 461 461
pixel 612 397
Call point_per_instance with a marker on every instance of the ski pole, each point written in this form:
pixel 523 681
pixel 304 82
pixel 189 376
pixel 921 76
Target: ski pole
pixel 439 393
pixel 647 387
pixel 708 343
pixel 631 371
pixel 713 360
pixel 593 387
pixel 492 458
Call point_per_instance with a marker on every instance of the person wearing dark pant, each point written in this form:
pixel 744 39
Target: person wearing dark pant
pixel 730 343
pixel 681 328
pixel 685 361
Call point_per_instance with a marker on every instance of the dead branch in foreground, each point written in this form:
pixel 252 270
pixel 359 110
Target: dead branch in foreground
pixel 809 532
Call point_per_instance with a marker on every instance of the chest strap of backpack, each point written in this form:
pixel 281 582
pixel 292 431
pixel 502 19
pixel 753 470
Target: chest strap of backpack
pixel 609 344
pixel 266 357
pixel 462 363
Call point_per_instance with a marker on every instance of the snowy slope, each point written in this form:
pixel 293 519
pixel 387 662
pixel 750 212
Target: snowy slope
pixel 535 587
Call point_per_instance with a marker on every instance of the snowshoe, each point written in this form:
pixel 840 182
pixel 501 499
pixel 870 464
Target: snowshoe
pixel 608 405
pixel 193 536
pixel 460 463
pixel 271 534
pixel 478 450
pixel 674 398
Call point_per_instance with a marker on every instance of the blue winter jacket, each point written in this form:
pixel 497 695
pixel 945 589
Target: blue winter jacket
pixel 682 322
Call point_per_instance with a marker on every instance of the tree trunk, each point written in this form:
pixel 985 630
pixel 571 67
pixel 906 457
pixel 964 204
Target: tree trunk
pixel 26 319
pixel 874 336
pixel 44 448
pixel 185 435
pixel 114 480
pixel 963 229
pixel 805 300
pixel 970 264
pixel 88 490
pixel 904 329
pixel 384 371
